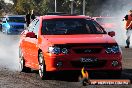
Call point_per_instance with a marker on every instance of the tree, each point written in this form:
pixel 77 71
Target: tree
pixel 22 6
pixel 93 7
pixel 5 7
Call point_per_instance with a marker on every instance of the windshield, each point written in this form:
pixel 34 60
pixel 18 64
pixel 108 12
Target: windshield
pixel 16 19
pixel 71 26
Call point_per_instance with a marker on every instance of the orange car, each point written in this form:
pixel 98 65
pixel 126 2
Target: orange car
pixel 68 42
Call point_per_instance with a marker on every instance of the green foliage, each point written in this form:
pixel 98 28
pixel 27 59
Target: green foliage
pixel 40 7
pixel 93 7
pixel 4 7
pixel 23 6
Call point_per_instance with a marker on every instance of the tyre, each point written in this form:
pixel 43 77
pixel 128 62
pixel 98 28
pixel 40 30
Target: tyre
pixel 23 68
pixel 42 66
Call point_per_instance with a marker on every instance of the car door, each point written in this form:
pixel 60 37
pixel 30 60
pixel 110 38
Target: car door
pixel 27 45
pixel 34 46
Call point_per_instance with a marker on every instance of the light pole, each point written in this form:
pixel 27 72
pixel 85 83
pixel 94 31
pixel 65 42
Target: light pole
pixel 84 7
pixel 72 2
pixel 55 6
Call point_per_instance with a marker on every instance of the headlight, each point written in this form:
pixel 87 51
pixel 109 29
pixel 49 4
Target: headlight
pixel 108 50
pixel 54 50
pixel 57 50
pixel 113 49
pixel 64 51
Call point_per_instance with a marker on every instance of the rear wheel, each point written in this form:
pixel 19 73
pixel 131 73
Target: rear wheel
pixel 42 66
pixel 23 68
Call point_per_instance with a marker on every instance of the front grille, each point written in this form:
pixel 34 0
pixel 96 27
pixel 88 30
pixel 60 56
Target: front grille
pixel 87 51
pixel 98 64
pixel 70 45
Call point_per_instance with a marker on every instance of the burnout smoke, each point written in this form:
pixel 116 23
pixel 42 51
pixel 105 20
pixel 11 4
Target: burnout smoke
pixel 117 9
pixel 9 51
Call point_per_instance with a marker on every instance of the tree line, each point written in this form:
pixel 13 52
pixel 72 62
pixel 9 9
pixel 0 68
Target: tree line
pixel 41 7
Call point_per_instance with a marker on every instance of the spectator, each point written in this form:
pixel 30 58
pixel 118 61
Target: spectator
pixel 32 16
pixel 128 19
pixel 28 15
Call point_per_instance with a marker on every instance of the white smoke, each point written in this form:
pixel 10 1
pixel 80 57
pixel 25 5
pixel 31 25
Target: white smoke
pixel 118 9
pixel 9 51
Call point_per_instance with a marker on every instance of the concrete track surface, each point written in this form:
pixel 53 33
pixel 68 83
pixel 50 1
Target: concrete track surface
pixel 10 77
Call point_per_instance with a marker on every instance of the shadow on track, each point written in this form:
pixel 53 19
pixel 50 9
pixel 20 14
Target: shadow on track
pixel 71 76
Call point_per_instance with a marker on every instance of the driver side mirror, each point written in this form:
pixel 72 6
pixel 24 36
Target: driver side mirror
pixel 31 35
pixel 112 33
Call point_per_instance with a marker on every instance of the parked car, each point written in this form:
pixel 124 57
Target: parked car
pixel 13 24
pixel 68 43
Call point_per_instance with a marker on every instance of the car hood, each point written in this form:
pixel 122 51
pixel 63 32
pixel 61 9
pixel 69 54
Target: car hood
pixel 66 39
pixel 15 23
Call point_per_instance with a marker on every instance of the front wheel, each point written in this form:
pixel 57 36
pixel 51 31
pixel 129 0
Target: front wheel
pixel 23 68
pixel 42 67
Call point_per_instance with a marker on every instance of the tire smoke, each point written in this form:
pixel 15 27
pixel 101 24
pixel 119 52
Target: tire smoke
pixel 9 51
pixel 117 9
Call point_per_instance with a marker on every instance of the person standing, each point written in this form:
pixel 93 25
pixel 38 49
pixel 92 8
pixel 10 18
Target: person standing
pixel 32 16
pixel 28 16
pixel 128 26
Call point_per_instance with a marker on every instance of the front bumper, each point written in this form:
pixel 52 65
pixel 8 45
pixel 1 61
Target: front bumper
pixel 72 62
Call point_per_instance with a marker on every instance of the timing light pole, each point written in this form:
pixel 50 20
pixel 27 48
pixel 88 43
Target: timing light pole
pixel 55 6
pixel 72 2
pixel 84 5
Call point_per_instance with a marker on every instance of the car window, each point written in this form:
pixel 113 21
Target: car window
pixel 32 25
pixel 36 27
pixel 16 19
pixel 98 27
pixel 70 26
